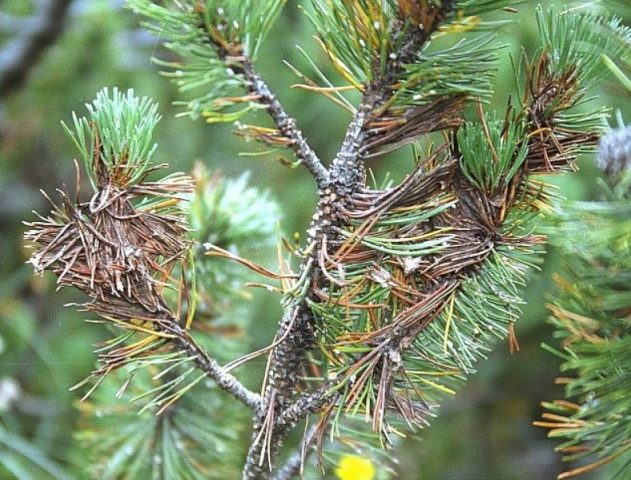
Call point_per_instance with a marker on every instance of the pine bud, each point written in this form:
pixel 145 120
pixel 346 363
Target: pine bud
pixel 614 151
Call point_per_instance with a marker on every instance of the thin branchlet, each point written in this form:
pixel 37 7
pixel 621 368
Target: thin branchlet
pixel 286 133
pixel 286 125
pixel 121 256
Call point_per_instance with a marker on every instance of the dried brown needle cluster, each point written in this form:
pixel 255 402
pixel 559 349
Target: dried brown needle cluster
pixel 112 247
pixel 120 247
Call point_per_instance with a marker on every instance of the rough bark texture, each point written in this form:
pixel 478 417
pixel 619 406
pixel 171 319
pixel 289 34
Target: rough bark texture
pixel 346 178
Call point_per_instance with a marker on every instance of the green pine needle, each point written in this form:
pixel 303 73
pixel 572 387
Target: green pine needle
pixel 118 134
pixel 466 68
pixel 211 38
pixel 192 439
pixel 492 153
pixel 577 42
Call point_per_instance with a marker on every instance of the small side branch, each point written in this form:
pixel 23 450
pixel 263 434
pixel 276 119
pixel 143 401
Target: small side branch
pixel 234 54
pixel 293 466
pixel 20 55
pixel 285 124
pixel 224 380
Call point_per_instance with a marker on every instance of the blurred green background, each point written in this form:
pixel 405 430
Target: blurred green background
pixel 484 432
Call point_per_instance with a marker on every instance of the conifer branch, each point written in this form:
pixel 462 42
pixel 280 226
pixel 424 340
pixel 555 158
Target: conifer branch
pixel 206 421
pixel 211 367
pixel 466 234
pixel 590 312
pixel 286 125
pixel 228 36
pixel 121 247
pixel 294 464
pixel 305 405
pixel 400 289
pixel 346 177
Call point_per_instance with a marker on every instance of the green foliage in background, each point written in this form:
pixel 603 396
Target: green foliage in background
pixel 591 318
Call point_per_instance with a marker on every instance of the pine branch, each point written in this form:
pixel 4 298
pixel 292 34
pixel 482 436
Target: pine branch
pixel 201 435
pixel 346 177
pixel 121 247
pixel 470 204
pixel 190 439
pixel 304 406
pixel 400 289
pixel 288 131
pixel 226 37
pixel 224 380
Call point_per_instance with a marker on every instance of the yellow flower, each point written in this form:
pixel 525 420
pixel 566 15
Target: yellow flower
pixel 352 467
